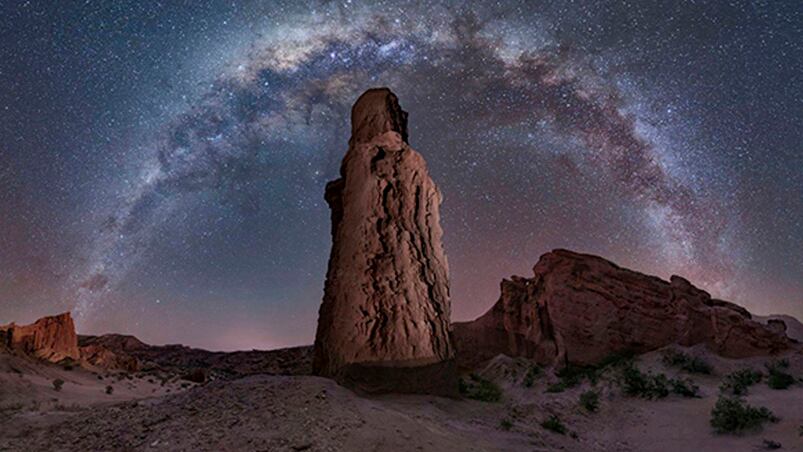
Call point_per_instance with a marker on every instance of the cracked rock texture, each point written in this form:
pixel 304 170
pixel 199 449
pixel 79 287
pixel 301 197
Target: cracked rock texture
pixel 580 309
pixel 384 322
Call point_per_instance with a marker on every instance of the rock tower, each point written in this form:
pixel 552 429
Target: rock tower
pixel 384 322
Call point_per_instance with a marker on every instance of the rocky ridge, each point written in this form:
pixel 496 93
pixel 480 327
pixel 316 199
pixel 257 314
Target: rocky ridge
pixel 580 309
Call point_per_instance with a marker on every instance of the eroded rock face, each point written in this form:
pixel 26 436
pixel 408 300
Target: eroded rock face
pixel 54 339
pixel 384 322
pixel 49 338
pixel 580 309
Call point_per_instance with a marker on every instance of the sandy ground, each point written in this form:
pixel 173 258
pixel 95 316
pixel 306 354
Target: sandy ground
pixel 294 413
pixel 29 401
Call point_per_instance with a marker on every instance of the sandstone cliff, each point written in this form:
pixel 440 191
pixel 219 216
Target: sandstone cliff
pixel 49 338
pixel 579 309
pixel 54 339
pixel 384 321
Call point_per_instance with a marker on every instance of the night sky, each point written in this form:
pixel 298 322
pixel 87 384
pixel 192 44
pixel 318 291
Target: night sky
pixel 162 164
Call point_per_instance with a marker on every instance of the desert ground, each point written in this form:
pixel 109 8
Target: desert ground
pixel 252 406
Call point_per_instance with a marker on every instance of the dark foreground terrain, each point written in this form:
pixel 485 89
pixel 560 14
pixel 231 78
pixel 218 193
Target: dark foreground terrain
pixel 508 404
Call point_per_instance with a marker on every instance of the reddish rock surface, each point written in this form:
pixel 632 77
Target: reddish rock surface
pixel 54 339
pixel 99 356
pixel 579 309
pixel 49 338
pixel 384 322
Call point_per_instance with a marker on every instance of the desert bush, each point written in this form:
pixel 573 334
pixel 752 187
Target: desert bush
pixel 109 389
pixel 686 362
pixel 684 387
pixel 590 400
pixel 556 387
pixel 737 382
pixel 777 376
pixel 648 385
pixel 532 373
pixel 572 374
pixel 57 384
pixel 554 424
pixel 506 424
pixel 771 445
pixel 478 388
pixel 643 384
pixel 733 415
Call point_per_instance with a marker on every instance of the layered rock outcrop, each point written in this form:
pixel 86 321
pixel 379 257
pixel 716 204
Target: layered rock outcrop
pixel 54 339
pixel 384 321
pixel 579 309
pixel 49 338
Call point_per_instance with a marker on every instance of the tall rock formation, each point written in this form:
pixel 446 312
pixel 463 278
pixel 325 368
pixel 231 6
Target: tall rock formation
pixel 384 322
pixel 49 338
pixel 580 309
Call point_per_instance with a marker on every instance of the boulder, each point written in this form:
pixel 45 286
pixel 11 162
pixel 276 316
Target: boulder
pixel 580 309
pixel 384 322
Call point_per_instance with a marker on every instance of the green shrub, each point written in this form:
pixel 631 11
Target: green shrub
pixel 590 400
pixel 777 377
pixel 572 375
pixel 616 359
pixel 685 387
pixel 109 389
pixel 532 373
pixel 800 431
pixel 732 415
pixel 640 384
pixel 553 423
pixel 737 382
pixel 686 362
pixel 478 388
pixel 648 385
pixel 57 384
pixel 506 424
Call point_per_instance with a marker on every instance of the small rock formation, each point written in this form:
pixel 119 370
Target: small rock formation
pixel 579 309
pixel 786 323
pixel 103 358
pixel 49 338
pixel 384 322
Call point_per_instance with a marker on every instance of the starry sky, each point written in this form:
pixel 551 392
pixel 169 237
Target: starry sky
pixel 162 164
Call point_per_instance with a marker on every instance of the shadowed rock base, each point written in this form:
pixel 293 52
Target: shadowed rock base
pixel 437 378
